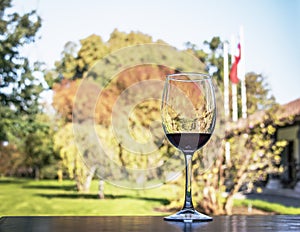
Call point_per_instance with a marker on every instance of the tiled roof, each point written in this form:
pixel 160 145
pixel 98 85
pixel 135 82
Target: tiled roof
pixel 289 110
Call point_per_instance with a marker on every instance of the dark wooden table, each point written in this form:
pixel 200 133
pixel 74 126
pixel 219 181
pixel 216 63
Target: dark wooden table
pixel 141 223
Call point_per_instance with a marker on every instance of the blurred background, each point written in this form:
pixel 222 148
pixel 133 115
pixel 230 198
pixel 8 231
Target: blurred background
pixel 47 49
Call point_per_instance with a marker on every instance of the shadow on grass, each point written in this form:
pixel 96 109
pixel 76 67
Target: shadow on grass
pixel 12 181
pixel 163 201
pixel 51 187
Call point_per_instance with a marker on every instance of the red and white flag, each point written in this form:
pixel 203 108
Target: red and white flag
pixel 234 68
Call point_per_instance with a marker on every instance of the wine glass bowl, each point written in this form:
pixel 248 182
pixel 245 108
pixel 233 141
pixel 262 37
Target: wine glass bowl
pixel 188 119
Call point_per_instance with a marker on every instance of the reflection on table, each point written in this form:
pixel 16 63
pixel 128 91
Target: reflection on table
pixel 149 223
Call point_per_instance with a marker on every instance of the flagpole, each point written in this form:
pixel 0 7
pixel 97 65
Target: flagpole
pixel 226 80
pixel 234 102
pixel 233 85
pixel 241 71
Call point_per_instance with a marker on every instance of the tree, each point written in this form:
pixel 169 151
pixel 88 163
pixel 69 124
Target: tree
pixel 73 68
pixel 19 88
pixel 212 55
pixel 64 144
pixel 24 129
pixel 258 93
pixel 10 159
pixel 120 40
pixel 37 146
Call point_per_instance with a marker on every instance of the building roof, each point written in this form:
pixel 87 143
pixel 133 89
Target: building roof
pixel 289 112
pixel 291 109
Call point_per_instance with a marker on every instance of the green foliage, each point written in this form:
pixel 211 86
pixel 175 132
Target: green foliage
pixel 212 55
pixel 31 148
pixel 92 49
pixel 37 145
pixel 26 130
pixel 75 64
pixel 19 89
pixel 72 162
pixel 258 93
pixel 120 40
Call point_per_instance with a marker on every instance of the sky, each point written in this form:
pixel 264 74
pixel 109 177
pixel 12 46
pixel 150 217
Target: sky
pixel 271 30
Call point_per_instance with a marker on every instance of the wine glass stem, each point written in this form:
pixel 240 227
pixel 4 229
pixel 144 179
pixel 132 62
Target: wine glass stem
pixel 188 203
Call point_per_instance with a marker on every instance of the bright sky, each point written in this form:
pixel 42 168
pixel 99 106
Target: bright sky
pixel 271 29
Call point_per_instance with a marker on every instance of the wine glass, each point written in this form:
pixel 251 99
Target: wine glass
pixel 188 119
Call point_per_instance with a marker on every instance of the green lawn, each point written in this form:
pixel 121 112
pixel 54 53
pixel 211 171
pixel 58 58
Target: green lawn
pixel 268 207
pixel 49 197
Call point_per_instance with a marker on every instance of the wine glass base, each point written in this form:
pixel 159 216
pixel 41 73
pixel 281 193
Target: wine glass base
pixel 188 215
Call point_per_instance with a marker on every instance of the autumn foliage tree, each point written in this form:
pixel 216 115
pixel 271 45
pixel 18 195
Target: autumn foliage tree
pixel 72 69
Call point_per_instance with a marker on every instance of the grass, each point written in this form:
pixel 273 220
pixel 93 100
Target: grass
pixel 268 207
pixel 49 197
